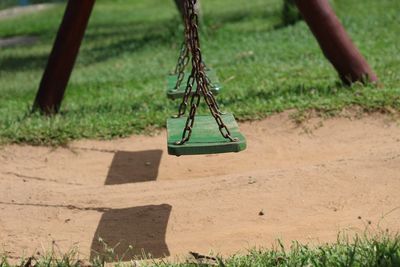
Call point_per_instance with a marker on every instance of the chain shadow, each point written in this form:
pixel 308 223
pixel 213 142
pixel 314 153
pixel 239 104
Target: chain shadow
pixel 134 167
pixel 143 228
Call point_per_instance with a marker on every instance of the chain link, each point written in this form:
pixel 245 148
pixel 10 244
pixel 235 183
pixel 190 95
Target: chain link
pixel 183 61
pixel 199 76
pixel 184 57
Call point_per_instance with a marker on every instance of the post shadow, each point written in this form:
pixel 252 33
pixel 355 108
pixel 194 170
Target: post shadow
pixel 143 228
pixel 134 167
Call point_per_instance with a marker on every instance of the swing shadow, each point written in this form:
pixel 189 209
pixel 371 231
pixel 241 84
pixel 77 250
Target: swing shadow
pixel 134 167
pixel 133 233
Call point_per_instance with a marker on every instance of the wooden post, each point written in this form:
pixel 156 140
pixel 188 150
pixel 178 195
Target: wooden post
pixel 334 41
pixel 63 56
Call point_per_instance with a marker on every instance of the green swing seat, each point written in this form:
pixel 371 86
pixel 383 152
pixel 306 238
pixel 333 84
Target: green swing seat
pixel 206 137
pixel 173 93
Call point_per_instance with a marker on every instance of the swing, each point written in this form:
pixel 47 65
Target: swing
pixel 191 134
pixel 176 89
pixel 206 138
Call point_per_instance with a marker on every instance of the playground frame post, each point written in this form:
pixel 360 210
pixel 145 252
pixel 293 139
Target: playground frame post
pixel 335 42
pixel 63 56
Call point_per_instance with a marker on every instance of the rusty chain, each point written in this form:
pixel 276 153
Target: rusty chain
pixel 184 57
pixel 183 61
pixel 198 76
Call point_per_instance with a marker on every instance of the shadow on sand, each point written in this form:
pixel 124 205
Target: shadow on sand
pixel 143 228
pixel 134 167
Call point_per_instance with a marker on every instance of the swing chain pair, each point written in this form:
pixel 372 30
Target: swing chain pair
pixel 198 76
pixel 183 61
pixel 184 57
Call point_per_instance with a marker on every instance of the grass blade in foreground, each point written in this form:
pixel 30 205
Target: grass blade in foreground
pixel 383 250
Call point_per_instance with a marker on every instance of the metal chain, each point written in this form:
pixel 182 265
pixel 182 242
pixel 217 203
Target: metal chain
pixel 199 76
pixel 191 79
pixel 184 57
pixel 183 61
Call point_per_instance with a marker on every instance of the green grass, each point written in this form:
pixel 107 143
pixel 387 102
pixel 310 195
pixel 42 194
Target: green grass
pixel 118 86
pixel 382 250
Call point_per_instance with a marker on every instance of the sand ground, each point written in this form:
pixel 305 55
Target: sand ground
pixel 310 182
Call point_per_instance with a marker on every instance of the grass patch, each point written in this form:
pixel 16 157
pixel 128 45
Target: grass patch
pixel 381 250
pixel 118 86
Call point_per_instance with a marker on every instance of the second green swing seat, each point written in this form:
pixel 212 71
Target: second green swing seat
pixel 206 137
pixel 173 93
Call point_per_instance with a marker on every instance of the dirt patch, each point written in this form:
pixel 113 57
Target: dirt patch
pixel 18 40
pixel 291 183
pixel 23 10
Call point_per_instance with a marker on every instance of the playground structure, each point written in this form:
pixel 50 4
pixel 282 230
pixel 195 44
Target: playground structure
pixel 332 37
pixel 207 139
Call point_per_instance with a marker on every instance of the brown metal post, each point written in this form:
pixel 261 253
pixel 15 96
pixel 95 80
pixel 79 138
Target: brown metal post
pixel 334 41
pixel 63 56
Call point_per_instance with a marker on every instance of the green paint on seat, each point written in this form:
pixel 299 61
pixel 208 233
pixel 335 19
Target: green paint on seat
pixel 206 137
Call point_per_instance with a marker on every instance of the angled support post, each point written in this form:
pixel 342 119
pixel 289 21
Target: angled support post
pixel 63 56
pixel 335 42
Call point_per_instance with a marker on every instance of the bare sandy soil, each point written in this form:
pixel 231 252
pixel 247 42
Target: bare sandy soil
pixel 22 10
pixel 338 175
pixel 18 11
pixel 18 40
